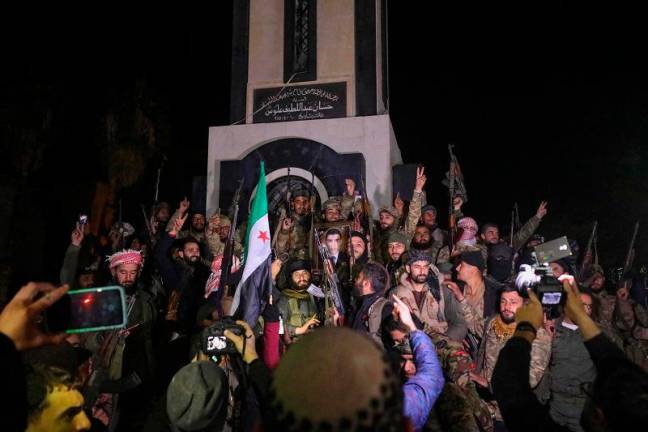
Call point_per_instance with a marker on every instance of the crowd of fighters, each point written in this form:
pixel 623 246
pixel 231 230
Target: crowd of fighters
pixel 432 332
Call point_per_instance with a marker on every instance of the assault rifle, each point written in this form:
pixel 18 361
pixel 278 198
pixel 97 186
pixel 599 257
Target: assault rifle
pixel 285 212
pixel 333 291
pixel 366 210
pixel 228 253
pixel 590 241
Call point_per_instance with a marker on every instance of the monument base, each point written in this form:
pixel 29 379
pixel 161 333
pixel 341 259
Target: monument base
pixel 371 137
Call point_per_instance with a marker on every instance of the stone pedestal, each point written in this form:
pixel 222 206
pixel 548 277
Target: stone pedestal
pixel 371 137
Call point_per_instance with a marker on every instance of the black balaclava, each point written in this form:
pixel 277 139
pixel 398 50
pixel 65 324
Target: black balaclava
pixel 500 261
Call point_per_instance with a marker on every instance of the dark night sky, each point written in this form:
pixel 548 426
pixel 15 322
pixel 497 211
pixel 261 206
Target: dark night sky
pixel 537 111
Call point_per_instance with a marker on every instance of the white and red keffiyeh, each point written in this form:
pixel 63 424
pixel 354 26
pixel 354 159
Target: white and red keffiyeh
pixel 469 227
pixel 214 280
pixel 128 256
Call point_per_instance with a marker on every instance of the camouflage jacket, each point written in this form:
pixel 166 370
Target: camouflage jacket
pixel 524 234
pixel 443 316
pixel 606 306
pixel 625 317
pixel 379 243
pixel 414 215
pixel 291 241
pixel 632 321
pixel 492 343
pixel 217 247
pixel 348 205
pixel 444 253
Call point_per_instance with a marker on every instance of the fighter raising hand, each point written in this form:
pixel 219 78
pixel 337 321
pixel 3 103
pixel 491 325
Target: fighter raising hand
pixel 420 179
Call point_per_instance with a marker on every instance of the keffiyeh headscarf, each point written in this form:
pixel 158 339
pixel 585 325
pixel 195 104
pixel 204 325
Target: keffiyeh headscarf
pixel 128 256
pixel 469 230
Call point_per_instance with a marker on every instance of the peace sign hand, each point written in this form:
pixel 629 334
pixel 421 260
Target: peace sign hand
pixel 184 205
pixel 420 179
pixel 178 223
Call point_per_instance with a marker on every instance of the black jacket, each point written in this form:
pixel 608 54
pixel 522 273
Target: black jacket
pixel 520 408
pixel 187 279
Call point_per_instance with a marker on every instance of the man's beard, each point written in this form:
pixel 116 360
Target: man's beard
pixel 192 261
pixel 507 320
pixel 297 287
pixel 384 227
pixel 129 287
pixel 422 245
pixel 421 278
pixel 397 259
pixel 199 228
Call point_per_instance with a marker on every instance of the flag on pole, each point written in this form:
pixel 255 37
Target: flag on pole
pixel 255 286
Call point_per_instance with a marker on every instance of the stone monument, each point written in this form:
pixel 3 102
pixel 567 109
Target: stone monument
pixel 308 96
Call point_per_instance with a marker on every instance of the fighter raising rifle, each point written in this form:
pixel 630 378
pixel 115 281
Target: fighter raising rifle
pixel 228 253
pixel 285 220
pixel 458 196
pixel 587 259
pixel 366 213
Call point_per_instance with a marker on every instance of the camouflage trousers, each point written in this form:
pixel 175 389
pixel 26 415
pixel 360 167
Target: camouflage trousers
pixel 459 407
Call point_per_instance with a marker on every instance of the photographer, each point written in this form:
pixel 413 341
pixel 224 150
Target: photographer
pixel 213 396
pixel 617 400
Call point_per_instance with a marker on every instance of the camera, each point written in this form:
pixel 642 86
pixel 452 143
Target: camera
pixel 540 279
pixel 214 341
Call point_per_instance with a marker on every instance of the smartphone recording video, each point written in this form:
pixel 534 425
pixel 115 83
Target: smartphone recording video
pixel 88 310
